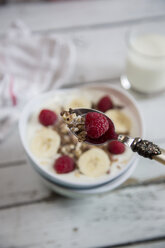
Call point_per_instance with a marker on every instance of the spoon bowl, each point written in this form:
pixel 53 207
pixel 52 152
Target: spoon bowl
pixel 109 134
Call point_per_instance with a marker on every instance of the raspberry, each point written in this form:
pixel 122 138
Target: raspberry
pixel 116 147
pixel 64 164
pixel 96 125
pixel 47 117
pixel 110 134
pixel 105 103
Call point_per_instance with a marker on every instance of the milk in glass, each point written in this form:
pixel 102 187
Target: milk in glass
pixel 145 67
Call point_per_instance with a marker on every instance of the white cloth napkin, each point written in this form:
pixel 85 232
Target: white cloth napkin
pixel 30 64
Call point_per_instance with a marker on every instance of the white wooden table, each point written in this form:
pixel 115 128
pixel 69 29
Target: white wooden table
pixel 132 216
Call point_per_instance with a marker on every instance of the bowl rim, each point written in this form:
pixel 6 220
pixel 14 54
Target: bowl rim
pixel 80 189
pixel 76 193
pixel 47 174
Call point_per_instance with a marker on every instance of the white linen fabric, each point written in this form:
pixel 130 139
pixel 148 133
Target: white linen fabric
pixel 30 64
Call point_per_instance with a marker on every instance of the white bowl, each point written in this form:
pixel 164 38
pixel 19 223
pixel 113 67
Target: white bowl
pixel 77 193
pixel 65 181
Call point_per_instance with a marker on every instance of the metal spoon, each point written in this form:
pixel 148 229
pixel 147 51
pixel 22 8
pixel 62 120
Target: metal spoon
pixel 144 148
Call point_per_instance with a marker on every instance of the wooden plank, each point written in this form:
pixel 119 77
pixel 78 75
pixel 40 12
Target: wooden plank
pixel 44 16
pixel 152 244
pixel 21 185
pixel 118 217
pixel 11 150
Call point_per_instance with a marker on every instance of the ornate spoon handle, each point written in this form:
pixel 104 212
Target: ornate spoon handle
pixel 160 158
pixel 144 148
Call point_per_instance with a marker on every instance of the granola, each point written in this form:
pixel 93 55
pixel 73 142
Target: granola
pixel 76 123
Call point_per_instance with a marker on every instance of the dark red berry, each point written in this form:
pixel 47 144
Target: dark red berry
pixel 96 124
pixel 110 134
pixel 64 164
pixel 116 147
pixel 47 117
pixel 105 103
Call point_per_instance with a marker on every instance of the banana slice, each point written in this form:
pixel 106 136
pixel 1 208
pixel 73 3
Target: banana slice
pixel 94 162
pixel 79 103
pixel 45 143
pixel 121 121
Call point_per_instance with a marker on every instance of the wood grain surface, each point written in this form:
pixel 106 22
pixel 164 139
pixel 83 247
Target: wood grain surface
pixel 123 215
